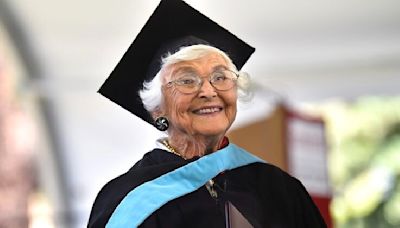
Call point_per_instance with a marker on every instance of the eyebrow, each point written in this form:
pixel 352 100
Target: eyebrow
pixel 185 68
pixel 220 67
pixel 192 69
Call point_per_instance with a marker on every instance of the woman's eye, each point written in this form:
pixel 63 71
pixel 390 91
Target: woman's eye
pixel 186 81
pixel 218 76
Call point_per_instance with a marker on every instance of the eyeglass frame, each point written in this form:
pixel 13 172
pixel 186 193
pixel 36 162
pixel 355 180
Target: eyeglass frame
pixel 200 81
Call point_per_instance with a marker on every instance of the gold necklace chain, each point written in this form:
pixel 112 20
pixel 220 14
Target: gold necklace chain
pixel 171 149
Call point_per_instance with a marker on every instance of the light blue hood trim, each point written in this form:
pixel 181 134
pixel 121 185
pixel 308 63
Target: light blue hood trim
pixel 142 201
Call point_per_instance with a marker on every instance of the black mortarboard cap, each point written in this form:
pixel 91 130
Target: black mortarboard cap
pixel 172 25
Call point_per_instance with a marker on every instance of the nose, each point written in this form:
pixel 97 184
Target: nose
pixel 207 90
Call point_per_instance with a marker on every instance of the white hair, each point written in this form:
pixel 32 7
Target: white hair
pixel 151 93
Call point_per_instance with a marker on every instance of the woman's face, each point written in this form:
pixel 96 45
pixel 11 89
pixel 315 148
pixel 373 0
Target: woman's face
pixel 207 112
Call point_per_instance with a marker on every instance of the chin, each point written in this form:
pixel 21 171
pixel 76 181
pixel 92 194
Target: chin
pixel 212 130
pixel 212 133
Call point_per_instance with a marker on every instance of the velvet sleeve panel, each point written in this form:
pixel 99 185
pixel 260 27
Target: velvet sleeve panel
pixel 286 202
pixel 306 211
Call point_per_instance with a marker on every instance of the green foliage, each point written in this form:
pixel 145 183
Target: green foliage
pixel 364 160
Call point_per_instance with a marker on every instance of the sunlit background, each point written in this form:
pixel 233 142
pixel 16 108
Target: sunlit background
pixel 60 141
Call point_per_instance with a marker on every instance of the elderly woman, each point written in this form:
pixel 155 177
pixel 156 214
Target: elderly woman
pixel 196 92
pixel 178 76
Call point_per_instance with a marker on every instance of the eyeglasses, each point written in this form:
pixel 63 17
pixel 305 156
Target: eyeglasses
pixel 189 82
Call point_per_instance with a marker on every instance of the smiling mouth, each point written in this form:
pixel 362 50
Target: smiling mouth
pixel 204 111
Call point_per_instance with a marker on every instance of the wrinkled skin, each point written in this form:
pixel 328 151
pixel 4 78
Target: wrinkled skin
pixel 198 121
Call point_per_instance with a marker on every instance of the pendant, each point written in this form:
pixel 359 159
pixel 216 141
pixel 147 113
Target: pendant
pixel 210 189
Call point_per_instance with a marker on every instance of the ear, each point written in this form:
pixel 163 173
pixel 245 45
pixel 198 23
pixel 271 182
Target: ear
pixel 157 113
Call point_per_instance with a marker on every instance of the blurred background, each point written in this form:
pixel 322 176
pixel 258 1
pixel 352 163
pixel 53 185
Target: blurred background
pixel 326 104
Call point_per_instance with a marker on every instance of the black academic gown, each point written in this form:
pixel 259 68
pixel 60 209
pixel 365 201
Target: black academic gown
pixel 265 195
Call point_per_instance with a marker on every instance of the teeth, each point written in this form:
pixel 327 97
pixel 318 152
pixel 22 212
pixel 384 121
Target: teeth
pixel 207 110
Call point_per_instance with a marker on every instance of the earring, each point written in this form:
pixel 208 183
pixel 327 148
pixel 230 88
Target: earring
pixel 161 123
